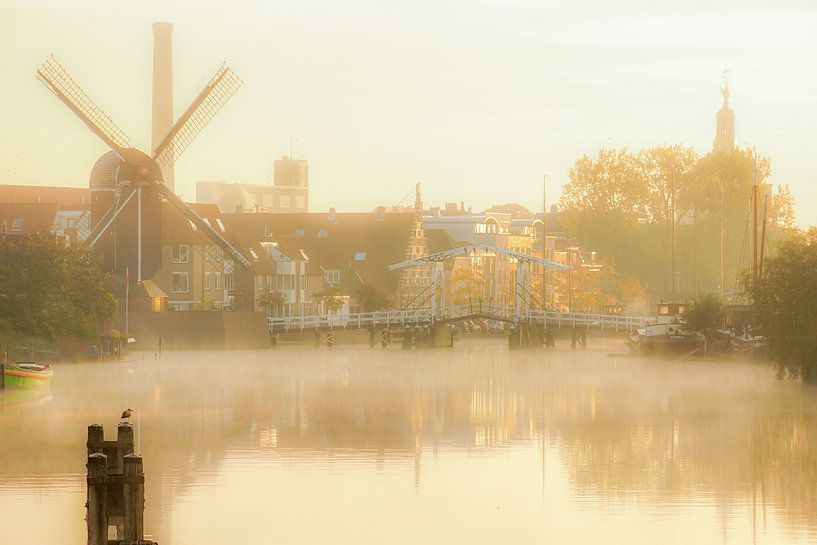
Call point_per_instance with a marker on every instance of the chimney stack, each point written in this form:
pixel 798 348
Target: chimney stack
pixel 163 92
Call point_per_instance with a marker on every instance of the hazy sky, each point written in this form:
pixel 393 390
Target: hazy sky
pixel 476 100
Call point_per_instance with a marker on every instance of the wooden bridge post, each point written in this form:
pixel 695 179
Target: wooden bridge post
pixel 134 496
pixel 96 515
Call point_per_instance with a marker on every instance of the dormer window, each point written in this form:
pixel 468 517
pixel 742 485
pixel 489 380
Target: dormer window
pixel 360 256
pixel 220 224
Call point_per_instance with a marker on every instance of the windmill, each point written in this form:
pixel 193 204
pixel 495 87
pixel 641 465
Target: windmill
pixel 126 210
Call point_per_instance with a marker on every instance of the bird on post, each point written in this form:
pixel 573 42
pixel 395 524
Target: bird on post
pixel 126 414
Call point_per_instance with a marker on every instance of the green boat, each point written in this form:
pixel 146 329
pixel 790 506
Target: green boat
pixel 25 374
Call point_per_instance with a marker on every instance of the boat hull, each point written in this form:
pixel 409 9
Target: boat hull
pixel 25 375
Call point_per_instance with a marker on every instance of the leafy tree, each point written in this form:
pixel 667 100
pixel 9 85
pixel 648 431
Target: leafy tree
pixel 50 291
pixel 468 284
pixel 372 299
pixel 620 205
pixel 517 211
pixel 330 298
pixel 270 300
pixel 705 314
pixel 785 305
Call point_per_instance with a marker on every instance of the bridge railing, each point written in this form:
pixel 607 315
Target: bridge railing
pixel 424 316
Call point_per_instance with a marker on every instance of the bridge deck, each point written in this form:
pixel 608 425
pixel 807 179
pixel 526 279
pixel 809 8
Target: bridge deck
pixel 425 317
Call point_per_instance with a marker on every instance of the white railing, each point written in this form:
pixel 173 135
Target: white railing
pixel 424 316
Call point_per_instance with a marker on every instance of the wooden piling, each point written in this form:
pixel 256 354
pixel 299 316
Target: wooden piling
pixel 96 439
pixel 134 496
pixel 124 441
pixel 97 505
pixel 116 488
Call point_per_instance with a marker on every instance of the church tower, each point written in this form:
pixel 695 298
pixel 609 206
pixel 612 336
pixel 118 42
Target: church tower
pixel 725 123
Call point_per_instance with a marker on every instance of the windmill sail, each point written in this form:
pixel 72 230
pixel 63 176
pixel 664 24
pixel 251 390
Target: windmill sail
pixel 211 99
pixel 57 79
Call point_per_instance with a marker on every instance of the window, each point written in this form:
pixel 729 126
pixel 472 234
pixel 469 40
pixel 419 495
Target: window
pixel 323 233
pixel 207 253
pixel 300 202
pixel 207 221
pixel 207 281
pixel 259 282
pixel 253 254
pixel 299 232
pixel 179 282
pixel 332 276
pixel 219 253
pixel 192 225
pixel 360 256
pixel 218 281
pixel 220 224
pixel 270 283
pixel 17 223
pixel 229 281
pixel 181 254
pixel 283 201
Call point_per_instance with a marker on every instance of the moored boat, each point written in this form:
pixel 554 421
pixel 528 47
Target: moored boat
pixel 668 334
pixel 25 374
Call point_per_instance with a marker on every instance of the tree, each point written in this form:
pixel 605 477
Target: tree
pixel 468 283
pixel 50 291
pixel 330 298
pixel 517 211
pixel 271 300
pixel 705 315
pixel 372 299
pixel 785 305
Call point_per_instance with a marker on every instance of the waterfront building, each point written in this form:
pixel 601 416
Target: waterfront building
pixel 67 209
pixel 344 253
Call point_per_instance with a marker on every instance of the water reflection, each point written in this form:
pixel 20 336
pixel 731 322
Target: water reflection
pixel 474 445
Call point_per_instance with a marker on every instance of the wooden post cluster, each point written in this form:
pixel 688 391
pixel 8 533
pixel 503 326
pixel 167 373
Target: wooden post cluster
pixel 116 488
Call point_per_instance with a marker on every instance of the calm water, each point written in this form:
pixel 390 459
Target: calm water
pixel 475 445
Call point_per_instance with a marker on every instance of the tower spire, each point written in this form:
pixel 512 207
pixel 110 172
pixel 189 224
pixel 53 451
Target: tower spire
pixel 725 121
pixel 725 88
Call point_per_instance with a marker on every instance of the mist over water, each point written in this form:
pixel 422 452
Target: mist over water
pixel 473 445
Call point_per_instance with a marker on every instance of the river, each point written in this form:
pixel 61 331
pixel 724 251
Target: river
pixel 474 445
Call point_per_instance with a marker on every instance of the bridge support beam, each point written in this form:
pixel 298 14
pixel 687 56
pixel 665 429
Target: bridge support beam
pixel 529 336
pixel 379 336
pixel 578 336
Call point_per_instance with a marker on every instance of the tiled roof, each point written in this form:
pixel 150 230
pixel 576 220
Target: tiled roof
pixel 27 218
pixel 365 242
pixel 62 196
pixel 335 239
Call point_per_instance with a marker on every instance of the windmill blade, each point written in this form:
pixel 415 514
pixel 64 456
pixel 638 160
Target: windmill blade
pixel 59 82
pixel 211 99
pixel 199 222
